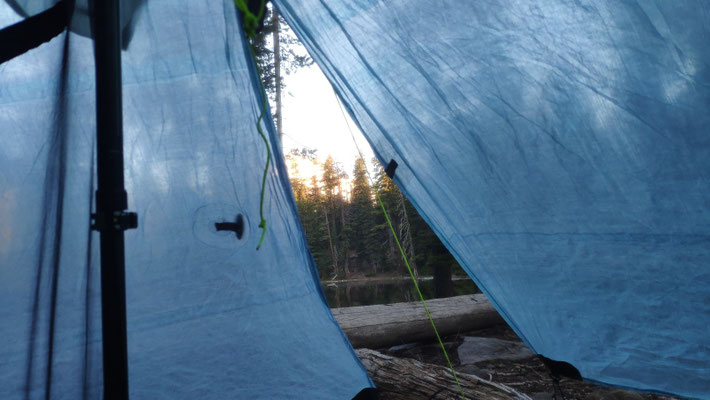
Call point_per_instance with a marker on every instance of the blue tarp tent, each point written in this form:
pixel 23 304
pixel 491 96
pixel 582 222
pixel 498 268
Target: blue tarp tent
pixel 209 316
pixel 561 151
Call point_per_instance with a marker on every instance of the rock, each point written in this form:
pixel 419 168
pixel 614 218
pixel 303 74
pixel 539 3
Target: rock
pixel 477 349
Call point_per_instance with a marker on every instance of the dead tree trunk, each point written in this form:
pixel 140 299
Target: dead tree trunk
pixel 406 379
pixel 346 263
pixel 443 285
pixel 405 235
pixel 388 325
pixel 333 250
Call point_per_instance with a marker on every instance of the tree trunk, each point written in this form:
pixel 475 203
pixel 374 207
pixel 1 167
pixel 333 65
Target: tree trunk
pixel 277 72
pixel 407 379
pixel 333 251
pixel 443 285
pixel 337 297
pixel 405 235
pixel 392 254
pixel 393 324
pixel 346 263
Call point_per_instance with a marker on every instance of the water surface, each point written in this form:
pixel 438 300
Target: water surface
pixel 386 291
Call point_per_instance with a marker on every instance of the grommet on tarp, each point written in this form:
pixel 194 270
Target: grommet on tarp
pixel 237 226
pixel 389 169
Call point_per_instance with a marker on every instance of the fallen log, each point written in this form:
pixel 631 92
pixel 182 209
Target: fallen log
pixel 407 379
pixel 393 324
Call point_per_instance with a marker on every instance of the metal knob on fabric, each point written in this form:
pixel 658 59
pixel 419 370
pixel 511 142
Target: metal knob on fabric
pixel 237 226
pixel 221 225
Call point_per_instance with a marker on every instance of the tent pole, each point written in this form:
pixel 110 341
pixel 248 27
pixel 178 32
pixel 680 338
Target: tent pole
pixel 111 218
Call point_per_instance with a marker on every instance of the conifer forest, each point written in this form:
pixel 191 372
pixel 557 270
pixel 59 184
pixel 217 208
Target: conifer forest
pixel 346 228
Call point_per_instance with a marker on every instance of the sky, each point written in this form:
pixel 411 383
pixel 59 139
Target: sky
pixel 312 118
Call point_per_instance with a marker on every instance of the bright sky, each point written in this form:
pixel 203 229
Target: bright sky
pixel 312 118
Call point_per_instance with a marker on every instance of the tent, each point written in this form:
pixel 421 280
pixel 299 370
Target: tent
pixel 559 149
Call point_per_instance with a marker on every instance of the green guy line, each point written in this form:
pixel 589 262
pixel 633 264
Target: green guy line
pixel 404 256
pixel 250 23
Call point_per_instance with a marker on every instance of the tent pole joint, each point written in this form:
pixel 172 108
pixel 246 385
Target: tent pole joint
pixel 115 221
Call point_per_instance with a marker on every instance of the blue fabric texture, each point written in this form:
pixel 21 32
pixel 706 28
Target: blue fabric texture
pixel 209 316
pixel 561 150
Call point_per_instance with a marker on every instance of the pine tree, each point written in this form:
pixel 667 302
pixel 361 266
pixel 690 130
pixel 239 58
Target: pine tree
pixel 310 202
pixel 310 212
pixel 297 184
pixel 350 236
pixel 331 183
pixel 390 258
pixel 362 226
pixel 276 49
pixel 414 233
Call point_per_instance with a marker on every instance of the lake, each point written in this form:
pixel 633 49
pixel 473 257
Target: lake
pixel 386 291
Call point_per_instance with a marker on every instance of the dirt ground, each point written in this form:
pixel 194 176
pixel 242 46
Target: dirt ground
pixel 528 375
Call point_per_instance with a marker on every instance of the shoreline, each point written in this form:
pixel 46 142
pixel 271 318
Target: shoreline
pixel 386 279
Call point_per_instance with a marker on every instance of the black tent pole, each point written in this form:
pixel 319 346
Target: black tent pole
pixel 111 218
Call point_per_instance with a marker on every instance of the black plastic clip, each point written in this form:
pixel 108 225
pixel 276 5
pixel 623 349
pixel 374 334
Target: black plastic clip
pixel 390 168
pixel 118 221
pixel 237 226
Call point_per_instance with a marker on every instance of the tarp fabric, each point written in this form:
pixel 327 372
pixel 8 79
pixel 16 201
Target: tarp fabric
pixel 561 150
pixel 209 316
